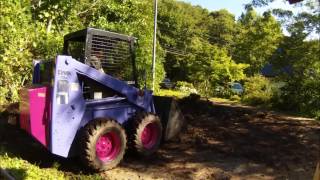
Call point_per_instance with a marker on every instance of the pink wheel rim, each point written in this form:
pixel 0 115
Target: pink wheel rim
pixel 108 146
pixel 150 135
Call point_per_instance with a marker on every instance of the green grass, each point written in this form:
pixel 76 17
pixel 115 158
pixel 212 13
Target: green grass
pixel 22 169
pixel 179 94
pixel 171 93
pixel 222 100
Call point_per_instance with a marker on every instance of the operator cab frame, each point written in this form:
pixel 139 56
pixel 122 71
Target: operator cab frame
pixel 109 52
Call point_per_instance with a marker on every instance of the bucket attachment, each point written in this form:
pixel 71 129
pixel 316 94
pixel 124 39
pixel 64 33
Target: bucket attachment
pixel 170 114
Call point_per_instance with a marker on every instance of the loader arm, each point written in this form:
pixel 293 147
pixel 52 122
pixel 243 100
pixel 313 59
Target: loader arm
pixel 130 92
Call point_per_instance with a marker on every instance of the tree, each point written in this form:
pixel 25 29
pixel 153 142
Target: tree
pixel 52 13
pixel 301 92
pixel 179 23
pixel 258 38
pixel 197 45
pixel 259 3
pixel 15 43
pixel 210 66
pixel 297 61
pixel 39 30
pixel 222 28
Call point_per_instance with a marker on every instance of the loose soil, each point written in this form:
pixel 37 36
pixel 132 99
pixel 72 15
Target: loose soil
pixel 219 141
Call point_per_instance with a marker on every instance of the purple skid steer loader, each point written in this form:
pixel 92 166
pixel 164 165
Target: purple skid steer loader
pixel 87 102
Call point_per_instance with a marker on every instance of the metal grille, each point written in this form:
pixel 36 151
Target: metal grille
pixel 77 50
pixel 112 56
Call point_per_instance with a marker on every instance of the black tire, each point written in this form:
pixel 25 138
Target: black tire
pixel 93 132
pixel 140 122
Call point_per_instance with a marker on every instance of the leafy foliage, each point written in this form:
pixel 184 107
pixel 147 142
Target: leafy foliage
pixel 297 61
pixel 179 23
pixel 39 30
pixel 185 87
pixel 15 48
pixel 210 66
pixel 259 91
pixel 301 92
pixel 222 28
pixel 257 40
pixel 206 49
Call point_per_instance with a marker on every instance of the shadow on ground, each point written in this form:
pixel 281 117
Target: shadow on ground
pixel 218 142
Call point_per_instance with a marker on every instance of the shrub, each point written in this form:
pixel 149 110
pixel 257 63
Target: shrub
pixel 259 91
pixel 15 54
pixel 186 87
pixel 301 96
pixel 205 88
pixel 223 92
pixel 235 98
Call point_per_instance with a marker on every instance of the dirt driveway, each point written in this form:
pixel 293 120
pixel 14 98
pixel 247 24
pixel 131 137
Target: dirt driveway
pixel 219 142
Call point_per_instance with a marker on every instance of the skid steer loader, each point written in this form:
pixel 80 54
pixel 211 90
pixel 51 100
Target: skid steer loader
pixel 87 102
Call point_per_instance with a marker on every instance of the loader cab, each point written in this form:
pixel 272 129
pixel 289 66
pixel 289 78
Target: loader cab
pixel 110 53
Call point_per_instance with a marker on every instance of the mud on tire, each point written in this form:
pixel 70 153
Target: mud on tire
pixel 146 133
pixel 102 144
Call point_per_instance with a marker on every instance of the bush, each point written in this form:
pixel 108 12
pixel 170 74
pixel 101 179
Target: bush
pixel 186 87
pixel 235 98
pixel 204 88
pixel 15 53
pixel 223 92
pixel 259 91
pixel 301 96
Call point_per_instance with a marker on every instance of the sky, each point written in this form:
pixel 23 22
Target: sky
pixel 233 6
pixel 236 7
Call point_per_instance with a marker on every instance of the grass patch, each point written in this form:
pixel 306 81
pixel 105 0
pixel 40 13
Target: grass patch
pixel 22 169
pixel 171 93
pixel 179 94
pixel 222 100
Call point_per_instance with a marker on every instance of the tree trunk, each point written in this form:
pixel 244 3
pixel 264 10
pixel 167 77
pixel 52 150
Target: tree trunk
pixel 49 25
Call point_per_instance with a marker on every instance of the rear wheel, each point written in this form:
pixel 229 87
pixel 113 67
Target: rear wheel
pixel 147 133
pixel 103 144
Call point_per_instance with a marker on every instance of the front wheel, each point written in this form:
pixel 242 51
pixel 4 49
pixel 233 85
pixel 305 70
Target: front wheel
pixel 147 133
pixel 103 144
